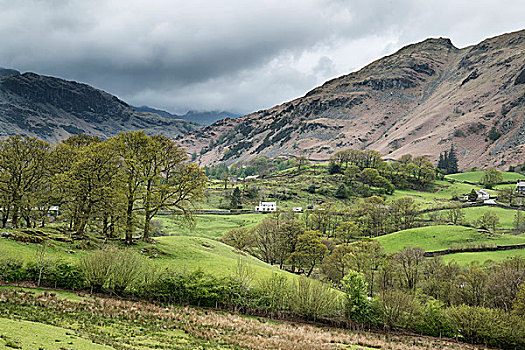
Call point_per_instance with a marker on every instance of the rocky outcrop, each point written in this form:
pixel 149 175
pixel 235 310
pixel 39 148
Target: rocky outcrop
pixel 419 100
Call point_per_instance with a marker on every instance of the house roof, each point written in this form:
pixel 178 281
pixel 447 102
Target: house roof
pixel 521 184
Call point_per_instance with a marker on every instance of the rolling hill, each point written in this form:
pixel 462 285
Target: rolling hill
pixel 53 109
pixel 420 100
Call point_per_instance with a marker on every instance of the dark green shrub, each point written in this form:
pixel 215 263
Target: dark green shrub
pixel 11 270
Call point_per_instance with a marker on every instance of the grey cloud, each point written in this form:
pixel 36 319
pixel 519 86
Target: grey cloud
pixel 235 55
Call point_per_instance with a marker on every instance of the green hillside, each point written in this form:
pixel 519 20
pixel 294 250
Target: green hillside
pixel 432 238
pixel 475 176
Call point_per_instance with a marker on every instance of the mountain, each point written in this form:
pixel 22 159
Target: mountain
pixel 202 118
pixel 53 109
pixel 420 100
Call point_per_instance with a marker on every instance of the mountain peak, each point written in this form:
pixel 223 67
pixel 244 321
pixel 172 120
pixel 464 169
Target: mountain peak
pixel 420 100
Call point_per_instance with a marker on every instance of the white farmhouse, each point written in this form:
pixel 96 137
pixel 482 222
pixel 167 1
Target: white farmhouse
pixel 297 209
pixel 520 187
pixel 483 195
pixel 265 207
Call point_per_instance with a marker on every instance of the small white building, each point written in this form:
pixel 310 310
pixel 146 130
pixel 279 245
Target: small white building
pixel 483 195
pixel 297 209
pixel 265 207
pixel 520 187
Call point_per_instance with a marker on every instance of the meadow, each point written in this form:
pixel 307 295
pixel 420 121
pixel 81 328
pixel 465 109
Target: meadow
pixel 475 176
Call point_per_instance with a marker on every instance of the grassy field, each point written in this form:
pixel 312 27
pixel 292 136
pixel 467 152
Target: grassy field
pixel 177 252
pixel 482 257
pixel 475 176
pixel 191 253
pixel 506 216
pixel 20 334
pixel 440 194
pixel 31 320
pixel 432 238
pixel 210 226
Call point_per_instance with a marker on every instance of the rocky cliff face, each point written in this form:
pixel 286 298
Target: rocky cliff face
pixel 53 109
pixel 420 100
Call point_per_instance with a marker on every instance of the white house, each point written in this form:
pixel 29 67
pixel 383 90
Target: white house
pixel 297 209
pixel 520 187
pixel 483 195
pixel 265 207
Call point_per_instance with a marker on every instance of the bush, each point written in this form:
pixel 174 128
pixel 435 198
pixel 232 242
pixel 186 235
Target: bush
pixel 11 270
pixel 399 309
pixel 487 326
pixel 313 299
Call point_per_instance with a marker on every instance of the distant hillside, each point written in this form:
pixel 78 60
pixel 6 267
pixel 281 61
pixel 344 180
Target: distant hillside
pixel 53 109
pixel 202 118
pixel 421 100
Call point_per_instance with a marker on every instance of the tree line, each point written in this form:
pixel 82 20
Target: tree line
pixel 116 184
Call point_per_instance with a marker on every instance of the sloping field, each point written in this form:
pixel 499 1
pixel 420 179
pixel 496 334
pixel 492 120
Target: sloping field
pixel 440 237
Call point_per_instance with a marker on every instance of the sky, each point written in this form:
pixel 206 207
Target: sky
pixel 232 55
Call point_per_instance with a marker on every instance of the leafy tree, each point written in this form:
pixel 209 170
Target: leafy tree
pixel 491 177
pixel 337 264
pixel 240 238
pixel 24 164
pixel 89 183
pixel 404 212
pixel 488 221
pixel 341 192
pixel 235 198
pixel 357 306
pixel 309 251
pixel 455 215
pixel 132 149
pixel 346 231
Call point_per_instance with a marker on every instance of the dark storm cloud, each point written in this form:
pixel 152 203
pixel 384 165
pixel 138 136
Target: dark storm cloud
pixel 234 55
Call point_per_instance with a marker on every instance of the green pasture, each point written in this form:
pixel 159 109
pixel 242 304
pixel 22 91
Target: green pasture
pixel 482 257
pixel 475 176
pixel 209 226
pixel 432 238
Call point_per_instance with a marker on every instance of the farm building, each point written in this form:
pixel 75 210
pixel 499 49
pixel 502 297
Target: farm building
pixel 520 187
pixel 265 207
pixel 483 195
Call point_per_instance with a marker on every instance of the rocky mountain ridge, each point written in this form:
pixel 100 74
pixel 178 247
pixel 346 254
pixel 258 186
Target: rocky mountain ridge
pixel 53 109
pixel 421 100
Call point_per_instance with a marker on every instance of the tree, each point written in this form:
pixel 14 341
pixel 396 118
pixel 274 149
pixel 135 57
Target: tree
pixel 491 177
pixel 287 237
pixel 357 306
pixel 24 163
pixel 309 252
pixel 507 194
pixel 519 221
pixel 341 192
pixel 346 231
pixel 235 199
pixel 410 260
pixel 90 183
pixel 132 149
pixel 338 263
pixel 455 215
pixel 404 212
pixel 488 221
pixel 265 240
pixel 240 238
pixel 302 163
